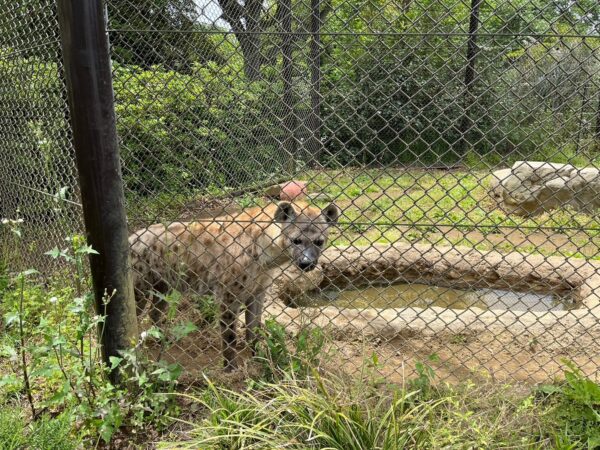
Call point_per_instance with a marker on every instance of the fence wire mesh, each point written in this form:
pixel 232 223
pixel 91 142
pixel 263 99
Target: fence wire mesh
pixel 458 141
pixel 37 166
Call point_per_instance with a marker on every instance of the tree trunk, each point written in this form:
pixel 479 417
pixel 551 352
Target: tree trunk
pixel 581 124
pixel 315 146
pixel 466 123
pixel 287 72
pixel 245 22
pixel 597 131
pixel 250 46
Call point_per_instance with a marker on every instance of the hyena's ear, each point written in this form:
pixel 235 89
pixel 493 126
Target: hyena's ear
pixel 331 213
pixel 285 212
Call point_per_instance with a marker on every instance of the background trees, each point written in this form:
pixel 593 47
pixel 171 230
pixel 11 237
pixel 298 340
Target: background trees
pixel 327 81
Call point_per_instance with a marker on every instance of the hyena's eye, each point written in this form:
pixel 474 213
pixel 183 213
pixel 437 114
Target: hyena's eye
pixel 297 241
pixel 319 242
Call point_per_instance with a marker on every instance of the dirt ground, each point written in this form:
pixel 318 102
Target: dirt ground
pixel 502 356
pixel 499 356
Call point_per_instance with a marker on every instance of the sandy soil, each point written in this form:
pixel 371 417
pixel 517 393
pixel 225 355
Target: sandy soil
pixel 499 355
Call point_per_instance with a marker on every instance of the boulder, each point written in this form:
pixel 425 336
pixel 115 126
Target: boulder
pixel 533 187
pixel 495 182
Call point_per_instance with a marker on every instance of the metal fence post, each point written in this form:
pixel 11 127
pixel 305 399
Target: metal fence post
pixel 287 74
pixel 89 84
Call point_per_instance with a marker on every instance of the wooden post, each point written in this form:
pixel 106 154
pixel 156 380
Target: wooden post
pixel 89 85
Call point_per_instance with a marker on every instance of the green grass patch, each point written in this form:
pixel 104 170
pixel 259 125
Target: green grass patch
pixel 331 412
pixel 386 206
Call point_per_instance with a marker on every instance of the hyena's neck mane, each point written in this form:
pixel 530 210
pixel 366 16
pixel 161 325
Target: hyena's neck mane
pixel 263 236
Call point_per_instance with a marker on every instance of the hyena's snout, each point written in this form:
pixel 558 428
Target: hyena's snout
pixel 308 260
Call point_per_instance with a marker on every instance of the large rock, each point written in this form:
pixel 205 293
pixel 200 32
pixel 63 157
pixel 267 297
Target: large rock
pixel 532 187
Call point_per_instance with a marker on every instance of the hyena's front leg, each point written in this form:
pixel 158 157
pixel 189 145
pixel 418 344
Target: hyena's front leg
pixel 158 305
pixel 254 307
pixel 230 307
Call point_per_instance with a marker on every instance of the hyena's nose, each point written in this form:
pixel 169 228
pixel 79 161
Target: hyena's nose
pixel 307 264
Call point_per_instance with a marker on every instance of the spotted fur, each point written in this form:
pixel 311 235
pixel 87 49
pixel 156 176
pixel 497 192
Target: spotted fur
pixel 232 257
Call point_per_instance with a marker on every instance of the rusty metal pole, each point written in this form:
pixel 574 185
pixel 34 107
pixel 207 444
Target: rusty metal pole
pixel 89 85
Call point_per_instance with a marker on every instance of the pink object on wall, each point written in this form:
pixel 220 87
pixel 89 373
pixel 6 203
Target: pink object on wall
pixel 292 190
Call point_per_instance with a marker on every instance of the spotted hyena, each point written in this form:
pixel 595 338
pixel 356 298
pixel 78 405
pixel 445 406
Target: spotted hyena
pixel 232 257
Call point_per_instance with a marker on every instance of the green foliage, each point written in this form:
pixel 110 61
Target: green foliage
pixel 282 357
pixel 184 132
pixel 146 47
pixel 45 433
pixel 10 235
pixel 315 413
pixel 12 429
pixel 208 308
pixel 53 433
pixel 37 144
pixel 52 338
pixel 425 376
pixel 327 411
pixel 576 409
pixel 337 412
pixel 390 98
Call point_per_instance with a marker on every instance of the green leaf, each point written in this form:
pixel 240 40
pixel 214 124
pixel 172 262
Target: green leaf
pixel 155 332
pixel 60 395
pixel 11 318
pixel 182 330
pixel 28 272
pixel 86 249
pixel 9 380
pixel 44 371
pixel 8 351
pixel 54 253
pixel 549 389
pixel 142 379
pixel 172 373
pixel 114 362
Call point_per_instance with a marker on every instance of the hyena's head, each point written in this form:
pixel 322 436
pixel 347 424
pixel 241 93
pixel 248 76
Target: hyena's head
pixel 304 231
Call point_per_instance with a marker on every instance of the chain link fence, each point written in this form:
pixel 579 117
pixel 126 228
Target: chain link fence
pixel 459 141
pixel 37 165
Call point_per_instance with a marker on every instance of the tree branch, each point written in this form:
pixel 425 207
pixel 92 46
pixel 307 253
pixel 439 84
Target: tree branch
pixel 233 12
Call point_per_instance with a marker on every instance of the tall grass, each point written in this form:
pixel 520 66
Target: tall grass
pixel 314 413
pixel 330 412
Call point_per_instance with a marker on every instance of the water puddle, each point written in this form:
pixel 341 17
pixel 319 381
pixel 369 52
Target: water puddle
pixel 423 296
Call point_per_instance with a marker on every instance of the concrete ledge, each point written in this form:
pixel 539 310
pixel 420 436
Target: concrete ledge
pixel 458 267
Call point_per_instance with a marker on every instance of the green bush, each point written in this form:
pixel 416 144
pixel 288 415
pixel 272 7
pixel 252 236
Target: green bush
pixel 50 337
pixel 36 148
pixel 283 357
pixel 181 132
pixel 575 409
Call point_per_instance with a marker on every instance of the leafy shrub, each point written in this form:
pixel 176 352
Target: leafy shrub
pixel 52 339
pixel 36 147
pixel 181 132
pixel 576 408
pixel 283 357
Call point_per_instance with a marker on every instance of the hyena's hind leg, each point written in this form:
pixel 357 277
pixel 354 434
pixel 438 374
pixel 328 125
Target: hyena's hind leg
pixel 229 308
pixel 254 309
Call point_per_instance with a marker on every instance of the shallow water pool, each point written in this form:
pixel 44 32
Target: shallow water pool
pixel 423 296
